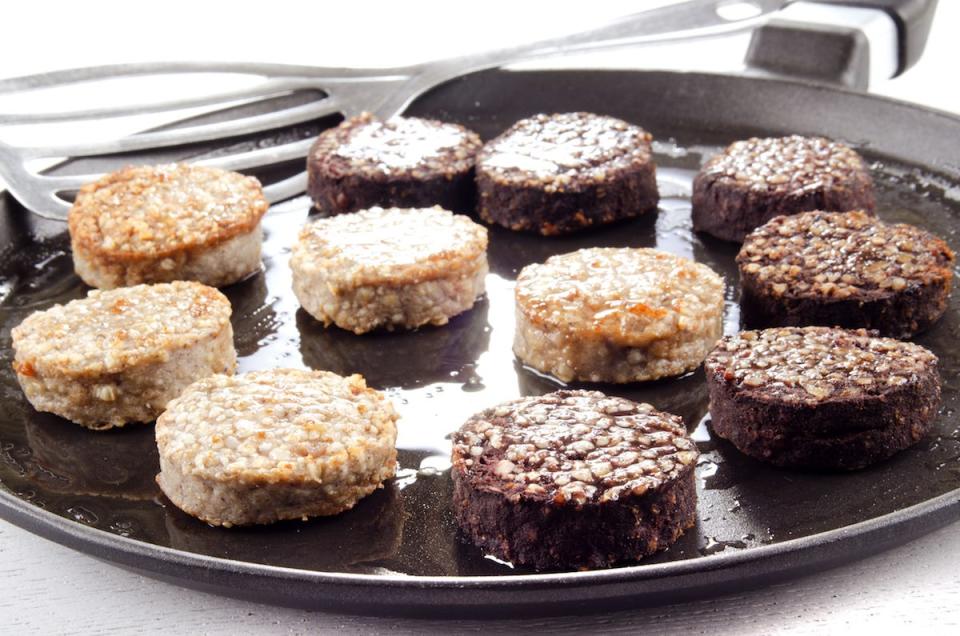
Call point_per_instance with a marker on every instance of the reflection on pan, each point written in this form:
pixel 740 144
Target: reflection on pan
pixel 509 252
pixel 350 541
pixel 405 359
pixel 253 319
pixel 115 463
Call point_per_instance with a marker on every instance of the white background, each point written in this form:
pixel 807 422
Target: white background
pixel 50 589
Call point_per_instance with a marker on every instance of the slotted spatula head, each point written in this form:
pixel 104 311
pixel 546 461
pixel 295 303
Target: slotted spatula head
pixel 267 125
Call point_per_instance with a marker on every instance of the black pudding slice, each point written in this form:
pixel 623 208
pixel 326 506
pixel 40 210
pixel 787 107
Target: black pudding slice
pixel 403 162
pixel 573 479
pixel 821 398
pixel 556 174
pixel 844 269
pixel 755 179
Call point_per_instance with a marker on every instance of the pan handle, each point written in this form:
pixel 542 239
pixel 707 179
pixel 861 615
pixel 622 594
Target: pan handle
pixel 849 42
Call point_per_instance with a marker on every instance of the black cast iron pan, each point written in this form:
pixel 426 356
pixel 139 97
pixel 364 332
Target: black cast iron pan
pixel 398 551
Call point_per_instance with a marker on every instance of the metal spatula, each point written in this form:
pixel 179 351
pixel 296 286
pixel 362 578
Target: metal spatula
pixel 384 92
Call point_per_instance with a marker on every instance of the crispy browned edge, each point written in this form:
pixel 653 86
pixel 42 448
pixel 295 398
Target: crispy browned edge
pixel 81 224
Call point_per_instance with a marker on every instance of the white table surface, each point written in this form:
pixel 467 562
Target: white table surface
pixel 51 589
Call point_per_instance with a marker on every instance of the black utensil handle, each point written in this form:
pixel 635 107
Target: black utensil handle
pixel 846 42
pixel 912 17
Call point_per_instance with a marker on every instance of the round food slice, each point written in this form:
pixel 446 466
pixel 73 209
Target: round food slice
pixel 617 315
pixel 573 479
pixel 389 268
pixel 755 179
pixel 821 398
pixel 154 224
pixel 556 174
pixel 119 356
pixel 272 445
pixel 401 162
pixel 844 269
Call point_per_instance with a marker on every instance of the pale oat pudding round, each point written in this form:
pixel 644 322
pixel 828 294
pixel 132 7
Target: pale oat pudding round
pixel 272 445
pixel 617 315
pixel 389 268
pixel 153 224
pixel 119 356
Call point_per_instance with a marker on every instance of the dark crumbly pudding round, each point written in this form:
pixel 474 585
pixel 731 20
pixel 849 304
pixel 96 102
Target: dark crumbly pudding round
pixel 404 162
pixel 821 398
pixel 555 174
pixel 844 269
pixel 754 180
pixel 573 479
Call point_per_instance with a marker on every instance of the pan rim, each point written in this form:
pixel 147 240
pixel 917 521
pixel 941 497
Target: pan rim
pixel 23 514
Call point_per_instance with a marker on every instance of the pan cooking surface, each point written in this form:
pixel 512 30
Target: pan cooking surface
pixel 437 377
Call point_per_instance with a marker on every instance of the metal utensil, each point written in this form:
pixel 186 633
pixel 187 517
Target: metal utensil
pixel 384 92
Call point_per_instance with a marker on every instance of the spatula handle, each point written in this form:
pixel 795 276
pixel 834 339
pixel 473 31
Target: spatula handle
pixel 849 42
pixel 912 19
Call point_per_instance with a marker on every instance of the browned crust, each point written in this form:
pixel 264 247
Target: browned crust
pixel 209 307
pixel 117 200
